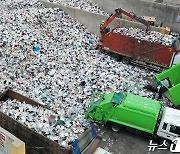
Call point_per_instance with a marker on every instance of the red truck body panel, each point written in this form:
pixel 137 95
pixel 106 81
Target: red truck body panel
pixel 149 52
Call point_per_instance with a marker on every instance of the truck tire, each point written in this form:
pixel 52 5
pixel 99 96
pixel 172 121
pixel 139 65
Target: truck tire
pixel 125 60
pixel 116 128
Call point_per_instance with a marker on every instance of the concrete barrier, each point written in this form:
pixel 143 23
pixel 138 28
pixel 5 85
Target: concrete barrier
pixel 163 13
pixel 174 2
pixel 92 20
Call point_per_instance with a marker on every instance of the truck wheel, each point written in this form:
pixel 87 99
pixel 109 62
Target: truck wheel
pixel 116 128
pixel 125 60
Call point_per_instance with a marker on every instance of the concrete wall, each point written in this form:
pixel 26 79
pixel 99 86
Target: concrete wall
pixel 91 20
pixel 168 2
pixel 162 12
pixel 13 144
pixel 175 2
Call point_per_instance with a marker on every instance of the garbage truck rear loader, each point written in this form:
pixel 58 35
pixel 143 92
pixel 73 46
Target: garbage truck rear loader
pixel 143 114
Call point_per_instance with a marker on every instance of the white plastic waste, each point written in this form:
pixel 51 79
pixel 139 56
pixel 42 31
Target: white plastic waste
pixel 151 36
pixel 50 58
pixel 87 5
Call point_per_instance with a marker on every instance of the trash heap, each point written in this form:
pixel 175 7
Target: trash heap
pixel 86 5
pixel 51 58
pixel 151 36
pixel 58 128
pixel 13 4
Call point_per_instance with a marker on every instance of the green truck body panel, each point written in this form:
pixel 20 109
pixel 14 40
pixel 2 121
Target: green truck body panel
pixel 172 92
pixel 126 109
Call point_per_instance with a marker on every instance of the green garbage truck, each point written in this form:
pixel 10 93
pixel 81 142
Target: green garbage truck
pixel 122 110
pixel 169 82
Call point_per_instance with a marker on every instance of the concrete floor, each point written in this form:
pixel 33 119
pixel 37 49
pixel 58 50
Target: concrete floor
pixel 126 142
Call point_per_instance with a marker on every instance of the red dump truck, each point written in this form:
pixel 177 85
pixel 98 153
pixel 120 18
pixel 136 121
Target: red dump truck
pixel 142 52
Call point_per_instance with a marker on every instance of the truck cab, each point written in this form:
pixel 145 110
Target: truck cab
pixel 176 59
pixel 169 127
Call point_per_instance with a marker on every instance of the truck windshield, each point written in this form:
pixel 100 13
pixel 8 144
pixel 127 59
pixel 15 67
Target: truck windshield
pixel 117 98
pixel 175 129
pixel 176 59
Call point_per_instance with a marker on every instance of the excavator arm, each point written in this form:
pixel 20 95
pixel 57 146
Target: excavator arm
pixel 110 19
pixel 120 11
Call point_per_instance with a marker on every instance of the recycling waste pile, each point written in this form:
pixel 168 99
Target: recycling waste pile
pixel 51 58
pixel 19 4
pixel 151 36
pixel 48 123
pixel 87 5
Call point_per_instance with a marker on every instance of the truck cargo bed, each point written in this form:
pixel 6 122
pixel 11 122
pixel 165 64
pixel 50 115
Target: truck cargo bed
pixel 140 51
